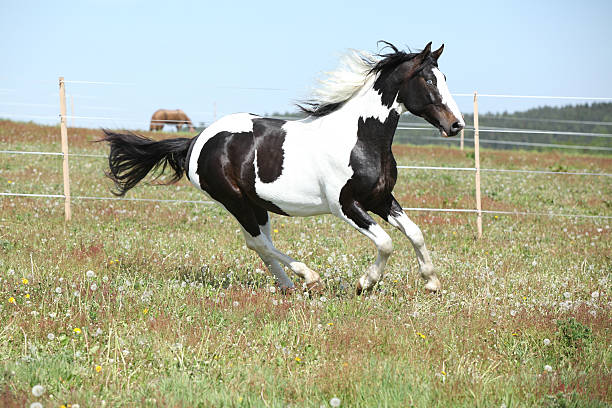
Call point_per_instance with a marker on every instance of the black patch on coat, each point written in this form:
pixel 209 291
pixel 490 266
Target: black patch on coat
pixel 227 174
pixel 269 138
pixel 374 171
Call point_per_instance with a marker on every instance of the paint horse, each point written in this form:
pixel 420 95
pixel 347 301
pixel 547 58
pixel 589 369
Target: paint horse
pixel 176 117
pixel 337 160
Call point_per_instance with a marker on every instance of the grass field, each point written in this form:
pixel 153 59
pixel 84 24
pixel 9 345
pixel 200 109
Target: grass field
pixel 161 304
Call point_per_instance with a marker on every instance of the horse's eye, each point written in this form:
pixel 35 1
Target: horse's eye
pixel 429 82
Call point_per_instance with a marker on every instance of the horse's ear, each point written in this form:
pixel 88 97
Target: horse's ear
pixel 421 57
pixel 436 54
pixel 427 50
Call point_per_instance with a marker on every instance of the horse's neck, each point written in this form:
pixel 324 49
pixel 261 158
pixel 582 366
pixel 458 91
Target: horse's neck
pixel 366 104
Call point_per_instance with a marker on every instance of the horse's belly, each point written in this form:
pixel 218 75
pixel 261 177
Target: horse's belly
pixel 295 196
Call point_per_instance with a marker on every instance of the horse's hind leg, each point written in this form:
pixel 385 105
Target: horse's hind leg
pixel 271 263
pixel 254 228
pixel 398 218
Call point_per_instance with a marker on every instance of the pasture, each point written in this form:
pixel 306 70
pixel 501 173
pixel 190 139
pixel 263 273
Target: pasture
pixel 137 303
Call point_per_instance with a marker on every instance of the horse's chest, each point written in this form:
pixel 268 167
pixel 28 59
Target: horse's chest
pixel 373 164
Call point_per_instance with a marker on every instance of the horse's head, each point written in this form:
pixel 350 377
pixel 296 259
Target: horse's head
pixel 423 92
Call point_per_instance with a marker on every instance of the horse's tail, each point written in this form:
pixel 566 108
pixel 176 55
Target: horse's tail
pixel 133 156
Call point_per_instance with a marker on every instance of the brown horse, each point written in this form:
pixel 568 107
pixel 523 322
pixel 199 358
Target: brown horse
pixel 176 117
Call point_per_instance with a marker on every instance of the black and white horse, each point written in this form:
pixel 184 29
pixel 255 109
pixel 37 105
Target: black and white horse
pixel 338 160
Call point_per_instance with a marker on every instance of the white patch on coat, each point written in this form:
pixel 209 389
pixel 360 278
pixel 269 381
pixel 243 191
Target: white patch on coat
pixel 235 123
pixel 447 98
pixel 316 156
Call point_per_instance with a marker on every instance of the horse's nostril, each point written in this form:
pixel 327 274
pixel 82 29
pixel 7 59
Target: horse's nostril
pixel 456 127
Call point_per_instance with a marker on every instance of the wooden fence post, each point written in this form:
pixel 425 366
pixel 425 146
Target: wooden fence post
pixel 461 138
pixel 477 165
pixel 64 135
pixel 71 111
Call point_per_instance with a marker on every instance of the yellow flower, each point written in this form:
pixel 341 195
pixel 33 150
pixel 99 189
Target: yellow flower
pixel 10 181
pixel 25 281
pixel 443 373
pixel 145 311
pixel 27 295
pixel 98 368
pixel 76 330
pixel 515 334
pixel 421 335
pixel 275 230
pixel 298 359
pixel 330 324
pixel 12 300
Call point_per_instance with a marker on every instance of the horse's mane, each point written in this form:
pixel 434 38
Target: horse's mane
pixel 342 84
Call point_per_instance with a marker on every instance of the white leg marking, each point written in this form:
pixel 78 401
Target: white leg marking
pixel 414 234
pixel 384 245
pixel 265 248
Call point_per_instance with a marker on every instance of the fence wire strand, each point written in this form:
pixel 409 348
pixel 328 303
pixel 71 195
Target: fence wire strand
pixel 455 210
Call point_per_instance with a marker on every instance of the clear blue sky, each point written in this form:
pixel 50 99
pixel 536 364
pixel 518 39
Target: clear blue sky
pixel 263 56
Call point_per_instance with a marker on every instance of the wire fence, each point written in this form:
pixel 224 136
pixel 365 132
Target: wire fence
pixel 404 126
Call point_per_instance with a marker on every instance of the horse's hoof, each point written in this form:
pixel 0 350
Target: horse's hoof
pixel 287 290
pixel 433 286
pixel 315 286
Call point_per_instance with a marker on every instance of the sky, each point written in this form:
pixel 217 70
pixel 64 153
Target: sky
pixel 215 58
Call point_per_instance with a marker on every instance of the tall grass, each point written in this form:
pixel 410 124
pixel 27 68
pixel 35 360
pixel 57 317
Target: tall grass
pixel 150 304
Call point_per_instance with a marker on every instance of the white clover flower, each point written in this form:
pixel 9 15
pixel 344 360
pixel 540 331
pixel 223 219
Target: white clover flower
pixel 334 402
pixel 51 336
pixel 93 287
pixel 567 295
pixel 235 303
pixel 513 313
pixel 38 390
pixel 595 295
pixel 36 405
pixel 547 368
pixel 272 289
pixel 58 290
pixel 546 342
pixel 90 274
pixel 105 279
pixel 534 263
pixel 11 272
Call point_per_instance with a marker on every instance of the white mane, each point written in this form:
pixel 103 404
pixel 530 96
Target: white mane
pixel 344 82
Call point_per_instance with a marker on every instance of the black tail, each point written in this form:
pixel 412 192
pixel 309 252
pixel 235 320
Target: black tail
pixel 133 156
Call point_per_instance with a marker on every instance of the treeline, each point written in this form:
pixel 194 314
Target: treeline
pixel 581 118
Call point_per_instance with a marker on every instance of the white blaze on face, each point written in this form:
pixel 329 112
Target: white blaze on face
pixel 447 98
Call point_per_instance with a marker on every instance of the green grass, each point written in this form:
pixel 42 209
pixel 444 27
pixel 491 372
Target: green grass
pixel 182 314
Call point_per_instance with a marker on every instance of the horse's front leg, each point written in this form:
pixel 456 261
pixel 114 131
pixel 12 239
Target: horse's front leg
pixel 398 218
pixel 355 215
